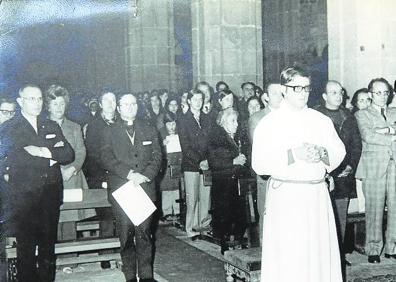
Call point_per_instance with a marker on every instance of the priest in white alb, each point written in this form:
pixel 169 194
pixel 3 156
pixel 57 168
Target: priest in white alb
pixel 297 147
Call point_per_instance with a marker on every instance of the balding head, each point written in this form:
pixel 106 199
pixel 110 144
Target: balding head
pixel 334 95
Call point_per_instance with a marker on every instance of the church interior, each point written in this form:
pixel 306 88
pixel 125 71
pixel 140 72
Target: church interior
pixel 135 46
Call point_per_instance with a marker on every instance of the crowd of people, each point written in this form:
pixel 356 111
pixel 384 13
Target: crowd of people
pixel 205 147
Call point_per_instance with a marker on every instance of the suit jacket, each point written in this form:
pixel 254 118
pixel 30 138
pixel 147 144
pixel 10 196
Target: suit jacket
pixel 119 155
pixel 193 140
pixel 73 134
pixel 28 174
pixel 348 131
pixel 377 148
pixel 93 144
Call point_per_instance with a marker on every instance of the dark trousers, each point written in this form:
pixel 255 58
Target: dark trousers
pixel 36 226
pixel 136 245
pixel 229 213
pixel 105 215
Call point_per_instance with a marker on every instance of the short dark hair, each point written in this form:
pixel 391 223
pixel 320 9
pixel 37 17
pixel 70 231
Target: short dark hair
pixel 55 91
pixel 7 100
pixel 224 93
pixel 204 83
pixel 162 92
pixel 220 83
pixel 169 117
pixel 289 73
pixel 193 92
pixel 170 99
pixel 378 79
pixel 247 82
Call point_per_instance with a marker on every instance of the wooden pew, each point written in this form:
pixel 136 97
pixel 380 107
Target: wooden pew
pixel 92 198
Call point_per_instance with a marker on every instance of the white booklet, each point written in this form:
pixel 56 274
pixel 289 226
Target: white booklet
pixel 173 145
pixel 135 202
pixel 72 195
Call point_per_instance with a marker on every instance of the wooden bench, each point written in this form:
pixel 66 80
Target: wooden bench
pixel 94 198
pixel 243 264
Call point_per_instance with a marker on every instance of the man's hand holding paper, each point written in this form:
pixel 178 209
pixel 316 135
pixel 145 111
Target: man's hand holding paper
pixel 134 202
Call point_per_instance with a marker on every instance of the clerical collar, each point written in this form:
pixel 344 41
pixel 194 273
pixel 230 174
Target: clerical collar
pixel 332 110
pixel 31 120
pixel 127 122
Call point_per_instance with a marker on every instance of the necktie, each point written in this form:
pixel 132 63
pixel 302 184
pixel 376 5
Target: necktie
pixel 383 113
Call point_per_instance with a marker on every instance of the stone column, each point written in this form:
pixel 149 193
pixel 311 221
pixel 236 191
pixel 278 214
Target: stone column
pixel 226 41
pixel 362 44
pixel 150 49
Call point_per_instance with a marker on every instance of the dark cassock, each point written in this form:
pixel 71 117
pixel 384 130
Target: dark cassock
pixel 131 152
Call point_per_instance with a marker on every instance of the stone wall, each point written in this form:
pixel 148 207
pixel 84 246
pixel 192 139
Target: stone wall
pixel 226 41
pixel 294 31
pixel 150 49
pixel 362 44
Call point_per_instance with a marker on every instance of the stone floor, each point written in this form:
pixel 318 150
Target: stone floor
pixel 178 260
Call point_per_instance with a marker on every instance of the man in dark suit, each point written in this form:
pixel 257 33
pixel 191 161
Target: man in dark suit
pixel 7 111
pixel 344 175
pixel 35 150
pixel 131 152
pixel 193 134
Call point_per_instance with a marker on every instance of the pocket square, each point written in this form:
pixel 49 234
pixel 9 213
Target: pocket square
pixel 50 136
pixel 147 143
pixel 59 144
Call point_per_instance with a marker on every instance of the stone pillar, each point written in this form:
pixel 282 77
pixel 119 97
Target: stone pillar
pixel 226 41
pixel 362 44
pixel 150 49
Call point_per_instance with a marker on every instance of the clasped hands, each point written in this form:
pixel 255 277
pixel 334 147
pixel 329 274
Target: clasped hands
pixel 239 160
pixel 309 153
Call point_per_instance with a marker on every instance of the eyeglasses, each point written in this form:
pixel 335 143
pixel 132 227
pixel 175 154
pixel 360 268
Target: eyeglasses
pixel 381 93
pixel 342 92
pixel 299 89
pixel 7 112
pixel 127 104
pixel 33 99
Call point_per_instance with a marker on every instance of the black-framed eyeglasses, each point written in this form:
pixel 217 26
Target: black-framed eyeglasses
pixel 33 99
pixel 7 112
pixel 381 93
pixel 299 89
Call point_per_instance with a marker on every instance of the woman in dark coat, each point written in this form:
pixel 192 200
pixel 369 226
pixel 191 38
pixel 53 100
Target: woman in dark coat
pixel 227 164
